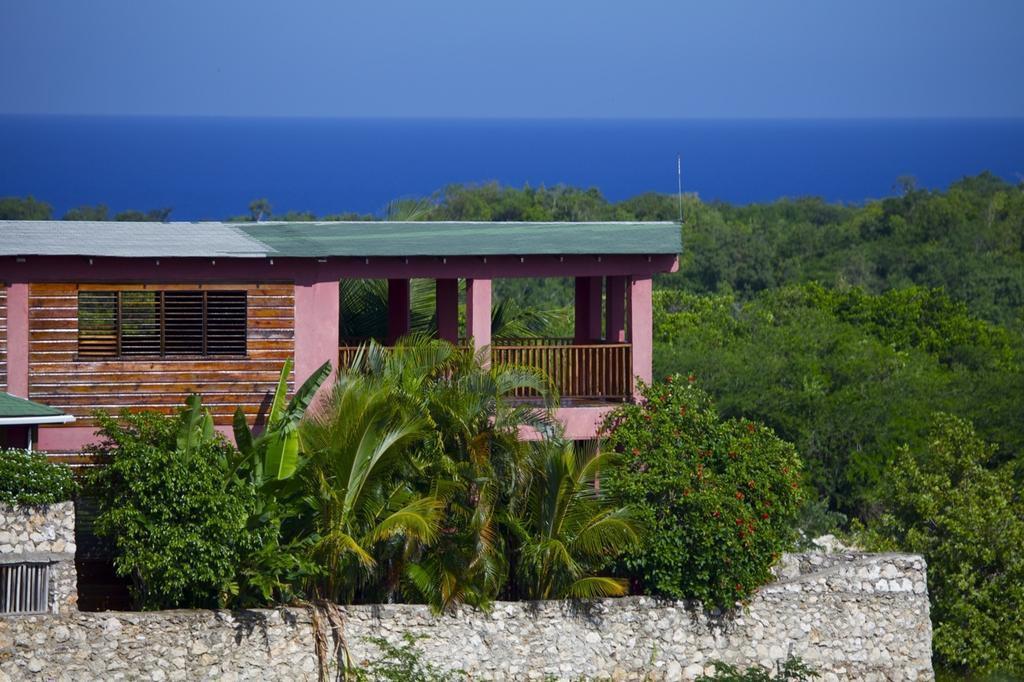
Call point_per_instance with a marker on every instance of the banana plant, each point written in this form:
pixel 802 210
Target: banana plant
pixel 196 425
pixel 274 453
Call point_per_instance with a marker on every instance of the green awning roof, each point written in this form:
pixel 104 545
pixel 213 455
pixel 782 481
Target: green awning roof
pixel 13 407
pixel 323 239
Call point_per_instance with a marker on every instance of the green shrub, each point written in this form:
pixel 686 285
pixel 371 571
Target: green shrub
pixel 949 503
pixel 403 663
pixel 178 522
pixel 791 670
pixel 27 478
pixel 718 498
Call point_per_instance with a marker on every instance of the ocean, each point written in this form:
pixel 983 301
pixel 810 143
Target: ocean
pixel 211 168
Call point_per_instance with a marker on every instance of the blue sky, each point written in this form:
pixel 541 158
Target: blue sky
pixel 517 58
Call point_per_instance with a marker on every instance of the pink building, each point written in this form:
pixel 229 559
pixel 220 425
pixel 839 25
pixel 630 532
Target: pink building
pixel 138 315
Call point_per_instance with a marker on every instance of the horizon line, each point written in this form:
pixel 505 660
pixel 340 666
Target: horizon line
pixel 600 119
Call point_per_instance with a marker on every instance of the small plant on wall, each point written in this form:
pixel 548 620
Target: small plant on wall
pixel 719 497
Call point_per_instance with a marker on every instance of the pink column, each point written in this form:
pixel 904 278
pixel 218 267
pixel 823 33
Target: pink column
pixel 317 323
pixel 478 312
pixel 17 339
pixel 588 310
pixel 447 306
pixel 615 307
pixel 641 329
pixel 399 300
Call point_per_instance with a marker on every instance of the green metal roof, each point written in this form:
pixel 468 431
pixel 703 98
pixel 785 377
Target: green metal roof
pixel 13 406
pixel 465 239
pixel 322 239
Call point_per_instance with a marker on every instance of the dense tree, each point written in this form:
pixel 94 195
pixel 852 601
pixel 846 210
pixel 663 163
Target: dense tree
pixel 159 215
pixel 846 376
pixel 98 212
pixel 950 501
pixel 24 208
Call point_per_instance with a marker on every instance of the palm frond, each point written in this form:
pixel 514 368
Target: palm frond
pixel 417 520
pixel 595 587
pixel 607 531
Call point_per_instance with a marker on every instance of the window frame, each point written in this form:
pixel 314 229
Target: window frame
pixel 161 325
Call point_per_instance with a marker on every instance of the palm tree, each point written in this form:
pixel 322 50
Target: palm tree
pixel 364 308
pixel 566 531
pixel 475 460
pixel 363 509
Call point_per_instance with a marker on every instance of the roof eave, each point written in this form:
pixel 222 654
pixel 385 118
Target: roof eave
pixel 32 421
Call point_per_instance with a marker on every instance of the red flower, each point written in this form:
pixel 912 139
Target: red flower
pixel 739 587
pixel 750 428
pixel 764 516
pixel 691 378
pixel 636 452
pixel 716 513
pixel 739 495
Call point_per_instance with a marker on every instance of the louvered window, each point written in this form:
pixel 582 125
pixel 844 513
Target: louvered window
pixel 24 587
pixel 161 323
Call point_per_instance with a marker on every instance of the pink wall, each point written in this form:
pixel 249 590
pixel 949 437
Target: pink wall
pixel 75 438
pixel 66 438
pixel 316 326
pixel 580 423
pixel 641 328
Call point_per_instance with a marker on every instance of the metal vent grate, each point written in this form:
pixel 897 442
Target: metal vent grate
pixel 24 587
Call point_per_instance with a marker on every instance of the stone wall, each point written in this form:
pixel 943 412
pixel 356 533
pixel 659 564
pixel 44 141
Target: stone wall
pixel 852 616
pixel 43 534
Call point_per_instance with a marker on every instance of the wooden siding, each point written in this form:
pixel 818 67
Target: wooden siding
pixel 59 378
pixel 3 338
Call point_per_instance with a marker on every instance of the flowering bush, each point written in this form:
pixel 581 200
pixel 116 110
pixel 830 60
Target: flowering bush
pixel 179 526
pixel 28 478
pixel 719 498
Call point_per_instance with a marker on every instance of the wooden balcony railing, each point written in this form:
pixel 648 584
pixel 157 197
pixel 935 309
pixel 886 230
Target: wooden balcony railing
pixel 599 371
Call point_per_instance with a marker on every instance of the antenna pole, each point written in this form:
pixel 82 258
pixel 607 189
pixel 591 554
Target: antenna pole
pixel 679 179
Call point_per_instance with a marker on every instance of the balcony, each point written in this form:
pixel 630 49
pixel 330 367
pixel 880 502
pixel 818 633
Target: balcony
pixel 583 374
